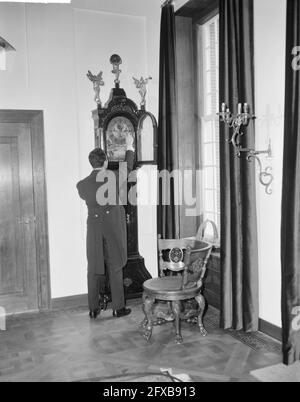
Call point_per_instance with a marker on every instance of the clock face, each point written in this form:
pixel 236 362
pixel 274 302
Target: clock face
pixel 117 131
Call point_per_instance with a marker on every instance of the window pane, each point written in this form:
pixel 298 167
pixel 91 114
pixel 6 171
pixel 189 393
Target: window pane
pixel 209 180
pixel 207 59
pixel 208 110
pixel 209 98
pixel 206 35
pixel 208 83
pixel 209 200
pixel 208 150
pixel 207 131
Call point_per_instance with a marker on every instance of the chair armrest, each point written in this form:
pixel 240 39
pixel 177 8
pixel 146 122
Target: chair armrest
pixel 187 261
pixel 204 266
pixel 184 278
pixel 197 277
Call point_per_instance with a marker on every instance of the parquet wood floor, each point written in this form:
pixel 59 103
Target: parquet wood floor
pixel 67 346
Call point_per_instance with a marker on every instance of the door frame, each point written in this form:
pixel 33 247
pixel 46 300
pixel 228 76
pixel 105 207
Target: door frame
pixel 35 120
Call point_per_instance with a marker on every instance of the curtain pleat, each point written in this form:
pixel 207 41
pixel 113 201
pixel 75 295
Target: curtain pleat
pixel 239 247
pixel 290 231
pixel 167 215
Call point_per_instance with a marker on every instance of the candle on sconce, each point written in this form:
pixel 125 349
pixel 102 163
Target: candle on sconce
pixel 244 116
pixel 270 155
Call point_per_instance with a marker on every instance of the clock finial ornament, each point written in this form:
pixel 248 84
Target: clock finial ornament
pixel 116 60
pixel 141 85
pixel 98 82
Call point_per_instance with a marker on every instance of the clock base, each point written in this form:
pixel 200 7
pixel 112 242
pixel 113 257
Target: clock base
pixel 135 274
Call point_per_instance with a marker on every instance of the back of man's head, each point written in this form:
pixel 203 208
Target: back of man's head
pixel 97 158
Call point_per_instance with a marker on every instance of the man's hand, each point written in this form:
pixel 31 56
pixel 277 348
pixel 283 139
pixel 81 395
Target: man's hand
pixel 129 142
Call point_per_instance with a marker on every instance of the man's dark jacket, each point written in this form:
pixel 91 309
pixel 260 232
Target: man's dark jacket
pixel 105 223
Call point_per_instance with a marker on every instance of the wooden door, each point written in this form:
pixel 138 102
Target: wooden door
pixel 18 254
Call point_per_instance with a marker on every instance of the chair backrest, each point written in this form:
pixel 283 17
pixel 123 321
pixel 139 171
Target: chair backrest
pixel 174 254
pixel 215 241
pixel 188 256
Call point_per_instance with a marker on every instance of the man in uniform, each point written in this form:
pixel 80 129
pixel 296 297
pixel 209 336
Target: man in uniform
pixel 106 236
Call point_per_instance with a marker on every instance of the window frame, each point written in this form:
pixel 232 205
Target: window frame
pixel 203 117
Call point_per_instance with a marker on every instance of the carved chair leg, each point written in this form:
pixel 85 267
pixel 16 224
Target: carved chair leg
pixel 201 302
pixel 176 307
pixel 144 323
pixel 147 307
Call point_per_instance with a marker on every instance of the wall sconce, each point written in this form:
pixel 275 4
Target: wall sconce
pixel 243 118
pixel 4 48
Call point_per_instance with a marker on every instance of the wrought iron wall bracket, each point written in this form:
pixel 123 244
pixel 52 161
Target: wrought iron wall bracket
pixel 265 176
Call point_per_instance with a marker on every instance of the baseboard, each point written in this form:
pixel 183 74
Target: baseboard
pixel 69 302
pixel 264 326
pixel 270 329
pixel 82 301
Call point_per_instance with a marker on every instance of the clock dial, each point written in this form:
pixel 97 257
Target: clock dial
pixel 117 130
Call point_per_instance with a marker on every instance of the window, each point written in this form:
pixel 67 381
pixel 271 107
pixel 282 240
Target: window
pixel 209 125
pixel 2 59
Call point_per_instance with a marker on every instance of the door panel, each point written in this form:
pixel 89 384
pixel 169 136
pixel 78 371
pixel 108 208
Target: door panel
pixel 11 279
pixel 18 267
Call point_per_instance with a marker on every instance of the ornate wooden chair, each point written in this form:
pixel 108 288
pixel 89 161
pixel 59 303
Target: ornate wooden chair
pixel 177 296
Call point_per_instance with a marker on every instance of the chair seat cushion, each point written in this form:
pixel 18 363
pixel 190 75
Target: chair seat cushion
pixel 169 288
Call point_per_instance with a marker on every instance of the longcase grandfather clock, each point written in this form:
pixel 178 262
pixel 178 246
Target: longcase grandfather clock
pixel 112 123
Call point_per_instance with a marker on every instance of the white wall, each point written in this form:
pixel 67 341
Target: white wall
pixel 179 4
pixel 56 45
pixel 270 25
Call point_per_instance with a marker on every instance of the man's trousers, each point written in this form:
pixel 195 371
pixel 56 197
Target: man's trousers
pixel 96 286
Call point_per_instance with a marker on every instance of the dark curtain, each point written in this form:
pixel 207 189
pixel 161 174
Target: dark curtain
pixel 239 249
pixel 290 231
pixel 167 215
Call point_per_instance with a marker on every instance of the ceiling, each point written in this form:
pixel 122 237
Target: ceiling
pixel 197 9
pixel 127 7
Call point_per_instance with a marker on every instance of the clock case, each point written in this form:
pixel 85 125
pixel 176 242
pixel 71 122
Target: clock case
pixel 118 105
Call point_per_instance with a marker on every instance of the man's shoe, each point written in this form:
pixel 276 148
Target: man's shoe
pixel 103 301
pixel 122 312
pixel 94 313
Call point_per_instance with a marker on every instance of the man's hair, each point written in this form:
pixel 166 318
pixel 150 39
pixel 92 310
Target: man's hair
pixel 97 158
